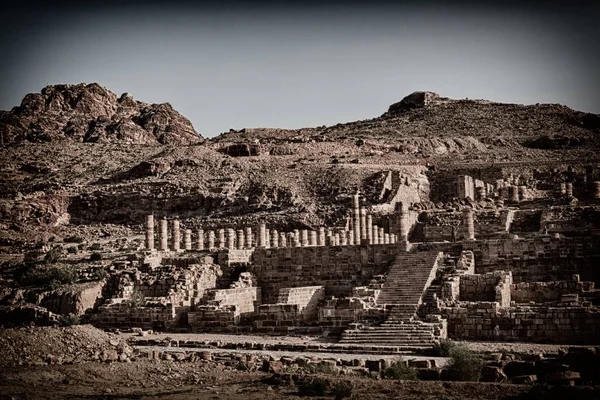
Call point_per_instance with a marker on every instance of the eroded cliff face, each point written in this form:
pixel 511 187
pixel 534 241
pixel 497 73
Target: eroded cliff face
pixel 90 113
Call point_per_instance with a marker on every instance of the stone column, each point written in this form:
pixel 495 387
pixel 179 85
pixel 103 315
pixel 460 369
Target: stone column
pixel 164 235
pixel 200 239
pixel 562 189
pixel 312 240
pixel 393 238
pixel 274 239
pixel 240 239
pixel 513 194
pixel 304 237
pixel 267 238
pixel 221 233
pixel 230 239
pixel 569 191
pixel 375 234
pixel 386 238
pixel 469 223
pixel 187 239
pixel 282 240
pixel 363 223
pixel 248 235
pixel 480 193
pixel 522 192
pixel 291 241
pixel 211 240
pixel 351 237
pixel 261 239
pixel 403 222
pixel 297 240
pixel 370 228
pixel 356 217
pixel 336 239
pixel 176 235
pixel 321 237
pixel 596 190
pixel 343 239
pixel 150 232
pixel 381 236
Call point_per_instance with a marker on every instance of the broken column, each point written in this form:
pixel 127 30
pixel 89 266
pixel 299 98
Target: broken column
pixel 386 238
pixel 164 235
pixel 187 239
pixel 513 193
pixel 596 190
pixel 363 224
pixel 221 238
pixel 200 239
pixel 351 238
pixel 356 218
pixel 150 232
pixel 211 240
pixel 480 193
pixel 381 236
pixel 304 237
pixel 274 238
pixel 290 239
pixel 375 234
pixel 248 237
pixel 403 222
pixel 267 238
pixel 240 239
pixel 312 238
pixel 522 192
pixel 282 240
pixel 370 229
pixel 176 235
pixel 343 238
pixel 261 239
pixel 569 190
pixel 321 237
pixel 469 223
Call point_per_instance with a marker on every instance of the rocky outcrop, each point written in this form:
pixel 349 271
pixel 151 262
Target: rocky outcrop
pixel 91 113
pixel 74 299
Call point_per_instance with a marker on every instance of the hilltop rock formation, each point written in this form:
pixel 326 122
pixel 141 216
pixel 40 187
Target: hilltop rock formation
pixel 90 113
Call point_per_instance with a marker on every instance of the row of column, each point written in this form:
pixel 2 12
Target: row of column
pixel 245 238
pixel 364 231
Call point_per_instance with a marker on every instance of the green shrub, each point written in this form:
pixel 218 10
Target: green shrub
pixel 69 320
pixel 342 390
pixel 100 274
pixel 73 239
pixel 72 250
pixel 95 257
pixel 32 256
pixel 96 247
pixel 49 276
pixel 313 387
pixel 401 371
pixel 444 347
pixel 241 366
pixel 319 368
pixel 53 256
pixel 464 365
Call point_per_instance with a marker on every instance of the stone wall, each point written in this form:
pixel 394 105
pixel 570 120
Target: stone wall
pixel 541 292
pixel 306 298
pixel 493 286
pixel 337 268
pixel 540 323
pixel 244 299
pixel 117 313
pixel 539 259
pixel 337 314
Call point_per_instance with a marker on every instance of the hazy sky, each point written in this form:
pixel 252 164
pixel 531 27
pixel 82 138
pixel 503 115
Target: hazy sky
pixel 236 65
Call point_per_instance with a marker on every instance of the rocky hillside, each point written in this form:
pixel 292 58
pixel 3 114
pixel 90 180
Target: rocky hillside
pixel 51 178
pixel 92 114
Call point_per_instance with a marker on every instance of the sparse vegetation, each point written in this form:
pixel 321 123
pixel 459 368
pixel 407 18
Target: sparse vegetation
pixel 69 320
pixel 95 257
pixel 342 390
pixel 72 250
pixel 96 247
pixel 73 239
pixel 313 387
pixel 100 274
pixel 401 371
pixel 444 347
pixel 53 255
pixel 49 276
pixel 465 364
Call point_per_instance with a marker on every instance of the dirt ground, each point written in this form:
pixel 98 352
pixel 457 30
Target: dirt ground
pixel 166 380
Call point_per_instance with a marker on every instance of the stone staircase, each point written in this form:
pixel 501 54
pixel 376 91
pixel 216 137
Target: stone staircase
pixel 407 281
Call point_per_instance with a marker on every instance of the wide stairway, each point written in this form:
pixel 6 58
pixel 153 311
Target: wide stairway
pixel 407 281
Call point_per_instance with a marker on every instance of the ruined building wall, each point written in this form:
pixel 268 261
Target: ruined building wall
pixel 539 259
pixel 337 268
pixel 539 323
pixel 541 292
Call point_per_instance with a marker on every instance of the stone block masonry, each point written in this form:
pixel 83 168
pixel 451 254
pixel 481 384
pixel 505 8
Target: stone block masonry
pixel 337 268
pixel 307 298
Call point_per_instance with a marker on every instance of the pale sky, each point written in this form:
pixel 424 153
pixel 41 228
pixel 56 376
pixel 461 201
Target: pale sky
pixel 239 65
